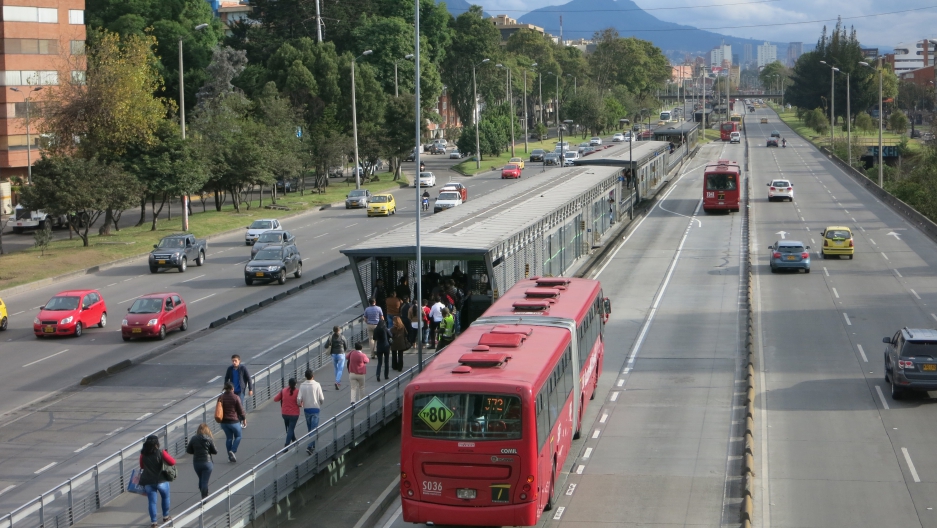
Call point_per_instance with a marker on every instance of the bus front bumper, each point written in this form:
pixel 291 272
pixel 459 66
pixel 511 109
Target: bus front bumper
pixel 523 514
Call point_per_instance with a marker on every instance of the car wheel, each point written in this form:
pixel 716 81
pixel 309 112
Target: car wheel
pixel 281 279
pixel 103 322
pixel 201 258
pixel 807 270
pixel 185 324
pixel 249 281
pixel 850 256
pixel 125 338
pixel 773 269
pixel 183 265
pixel 162 332
pixel 896 392
pixel 299 271
pixel 247 242
pixel 153 269
pixel 3 324
pixel 549 505
pixel 78 330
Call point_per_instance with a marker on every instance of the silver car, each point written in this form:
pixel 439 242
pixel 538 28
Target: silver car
pixel 357 198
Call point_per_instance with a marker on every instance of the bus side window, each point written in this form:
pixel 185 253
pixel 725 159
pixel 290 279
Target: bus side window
pixel 569 370
pixel 541 419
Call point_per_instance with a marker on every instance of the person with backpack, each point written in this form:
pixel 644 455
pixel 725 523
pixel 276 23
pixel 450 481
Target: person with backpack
pixel 357 372
pixel 337 346
pixel 202 447
pixel 158 469
pixel 289 409
pixel 233 420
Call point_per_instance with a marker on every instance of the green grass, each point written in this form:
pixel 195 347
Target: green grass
pixel 64 256
pixel 467 167
pixel 888 138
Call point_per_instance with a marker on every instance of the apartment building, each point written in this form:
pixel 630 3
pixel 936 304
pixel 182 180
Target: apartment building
pixel 767 53
pixel 43 46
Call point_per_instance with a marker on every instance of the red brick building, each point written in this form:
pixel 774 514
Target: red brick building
pixel 43 46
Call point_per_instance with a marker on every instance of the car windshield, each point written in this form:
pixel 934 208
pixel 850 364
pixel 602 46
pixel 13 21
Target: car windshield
pixel 448 196
pixel 262 224
pixel 379 199
pixel 426 175
pixel 271 237
pixel 919 348
pixel 62 303
pixel 841 234
pixel 536 151
pixel 571 155
pixel 790 249
pixel 780 183
pixel 596 138
pixel 171 243
pixel 775 134
pixel 357 194
pixel 456 416
pixel 147 305
pixel 510 167
pixel 268 254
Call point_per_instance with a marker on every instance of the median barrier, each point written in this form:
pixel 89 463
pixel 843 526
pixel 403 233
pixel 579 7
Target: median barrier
pixel 292 291
pixel 236 315
pixel 113 369
pixel 251 308
pixel 218 322
pixel 91 378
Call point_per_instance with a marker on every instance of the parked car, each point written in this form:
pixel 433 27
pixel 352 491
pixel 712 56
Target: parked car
pixel 455 154
pixel 595 141
pixel 780 190
pixel 287 185
pixel 175 251
pixel 260 226
pixel 154 315
pixel 382 205
pixel 838 240
pixel 789 254
pixel 458 187
pixel 537 155
pixel 447 200
pixel 510 171
pixel 911 361
pixel 517 161
pixel 270 238
pixel 4 317
pixel 70 312
pixel 357 198
pixel 274 263
pixel 427 179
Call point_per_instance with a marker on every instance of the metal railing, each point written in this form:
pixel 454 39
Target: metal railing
pixel 264 485
pixel 91 489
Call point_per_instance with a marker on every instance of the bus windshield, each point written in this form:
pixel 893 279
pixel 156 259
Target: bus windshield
pixel 720 182
pixel 460 416
pixel 665 116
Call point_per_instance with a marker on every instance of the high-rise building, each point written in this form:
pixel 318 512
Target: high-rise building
pixel 767 53
pixel 914 55
pixel 721 56
pixel 794 51
pixel 42 47
pixel 746 54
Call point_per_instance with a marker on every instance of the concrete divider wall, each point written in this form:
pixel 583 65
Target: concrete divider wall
pixel 748 455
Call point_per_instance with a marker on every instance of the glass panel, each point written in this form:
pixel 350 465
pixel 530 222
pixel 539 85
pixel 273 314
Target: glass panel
pixel 456 416
pixel 20 14
pixel 76 16
pixel 78 47
pixel 48 15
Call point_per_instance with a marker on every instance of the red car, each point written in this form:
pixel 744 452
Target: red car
pixel 154 315
pixel 510 171
pixel 70 312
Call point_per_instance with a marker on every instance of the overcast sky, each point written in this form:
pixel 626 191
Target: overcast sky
pixel 877 30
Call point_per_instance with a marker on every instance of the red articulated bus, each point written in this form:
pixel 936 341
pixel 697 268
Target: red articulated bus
pixel 489 422
pixel 726 130
pixel 721 186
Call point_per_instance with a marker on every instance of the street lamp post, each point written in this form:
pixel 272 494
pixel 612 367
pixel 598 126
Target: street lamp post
pixel 848 120
pixel 29 145
pixel 476 114
pixel 510 96
pixel 526 134
pixel 833 70
pixel 881 114
pixel 416 186
pixel 407 57
pixel 354 118
pixel 185 198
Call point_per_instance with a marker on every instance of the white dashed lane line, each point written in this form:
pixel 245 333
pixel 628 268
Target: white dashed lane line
pixel 43 468
pixel 907 458
pixel 862 353
pixel 916 295
pixel 881 397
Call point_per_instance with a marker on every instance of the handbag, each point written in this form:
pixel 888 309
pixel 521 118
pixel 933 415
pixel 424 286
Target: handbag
pixel 219 411
pixel 169 472
pixel 134 485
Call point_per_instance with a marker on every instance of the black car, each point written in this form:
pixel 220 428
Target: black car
pixel 911 361
pixel 536 155
pixel 772 142
pixel 775 134
pixel 287 185
pixel 274 263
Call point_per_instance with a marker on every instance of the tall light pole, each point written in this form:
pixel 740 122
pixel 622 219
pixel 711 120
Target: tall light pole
pixel 833 70
pixel 407 57
pixel 416 187
pixel 556 98
pixel 476 114
pixel 354 117
pixel 848 121
pixel 510 96
pixel 526 134
pixel 881 115
pixel 29 144
pixel 540 97
pixel 185 198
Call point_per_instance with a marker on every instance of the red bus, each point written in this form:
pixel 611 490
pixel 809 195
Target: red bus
pixel 721 186
pixel 727 128
pixel 488 424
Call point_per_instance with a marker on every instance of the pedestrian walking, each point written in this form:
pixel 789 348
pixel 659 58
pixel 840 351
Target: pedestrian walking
pixel 435 318
pixel 446 329
pixel 202 447
pixel 310 398
pixel 414 315
pixel 405 315
pixel 382 338
pixel 393 307
pixel 372 315
pixel 289 409
pixel 337 347
pixel 155 478
pixel 398 344
pixel 380 295
pixel 238 376
pixel 357 372
pixel 234 420
pixel 426 320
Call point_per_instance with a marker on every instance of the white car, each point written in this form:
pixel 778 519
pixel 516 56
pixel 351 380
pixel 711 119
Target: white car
pixel 427 179
pixel 595 141
pixel 455 154
pixel 780 189
pixel 735 137
pixel 564 144
pixel 570 158
pixel 258 227
pixel 447 200
pixel 618 137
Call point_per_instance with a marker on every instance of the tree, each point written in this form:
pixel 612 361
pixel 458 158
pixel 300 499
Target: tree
pixel 587 109
pixel 898 122
pixel 773 74
pixel 864 123
pixel 635 64
pixel 474 40
pixel 400 128
pixel 817 120
pixel 42 238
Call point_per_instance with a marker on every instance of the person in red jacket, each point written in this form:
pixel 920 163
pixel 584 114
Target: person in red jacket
pixel 289 409
pixel 357 371
pixel 153 479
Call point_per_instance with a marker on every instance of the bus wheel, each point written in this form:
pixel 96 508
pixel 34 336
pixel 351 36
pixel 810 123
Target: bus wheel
pixel 549 505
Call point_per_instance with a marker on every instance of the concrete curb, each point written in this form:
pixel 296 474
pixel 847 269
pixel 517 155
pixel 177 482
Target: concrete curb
pixel 379 506
pixel 748 456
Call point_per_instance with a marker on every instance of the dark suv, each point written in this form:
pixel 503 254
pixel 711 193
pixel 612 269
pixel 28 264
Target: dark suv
pixel 911 361
pixel 274 263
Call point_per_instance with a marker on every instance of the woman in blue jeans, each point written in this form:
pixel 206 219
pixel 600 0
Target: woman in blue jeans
pixel 153 479
pixel 202 447
pixel 233 421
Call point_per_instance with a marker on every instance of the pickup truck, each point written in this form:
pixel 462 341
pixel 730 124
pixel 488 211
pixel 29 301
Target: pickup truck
pixel 175 251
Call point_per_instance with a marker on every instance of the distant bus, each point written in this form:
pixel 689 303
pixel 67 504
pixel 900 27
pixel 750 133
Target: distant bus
pixel 666 116
pixel 489 423
pixel 727 128
pixel 721 183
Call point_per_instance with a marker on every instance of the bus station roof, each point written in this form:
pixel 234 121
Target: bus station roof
pixel 675 129
pixel 640 153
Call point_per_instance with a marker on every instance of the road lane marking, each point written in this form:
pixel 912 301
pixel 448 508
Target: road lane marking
pixel 216 378
pixel 587 453
pixel 812 241
pixel 203 298
pixel 854 219
pixel 145 416
pixel 374 233
pixel 322 235
pixel 111 284
pixel 862 228
pixel 836 293
pixel 848 322
pixel 559 513
pixel 826 271
pixel 6 489
pixel 115 431
pixel 862 353
pixel 620 383
pixel 872 241
pixel 595 434
pixel 847 212
pixel 351 225
pixel 614 396
pixel 126 300
pixel 907 458
pixel 578 470
pixel 45 358
pixel 884 255
pixel 82 448
pixel 934 316
pixel 336 247
pixel 571 489
pixel 40 470
pixel 898 273
pixel 603 418
pixel 169 403
pixel 881 396
pixel 916 295
pixel 193 278
pixel 17 313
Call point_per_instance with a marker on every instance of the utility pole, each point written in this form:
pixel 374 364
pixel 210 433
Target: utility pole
pixel 319 24
pixel 416 187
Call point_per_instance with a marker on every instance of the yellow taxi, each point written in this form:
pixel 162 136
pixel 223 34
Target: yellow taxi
pixel 764 120
pixel 382 205
pixel 517 161
pixel 837 240
pixel 4 318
